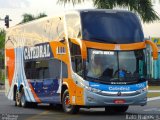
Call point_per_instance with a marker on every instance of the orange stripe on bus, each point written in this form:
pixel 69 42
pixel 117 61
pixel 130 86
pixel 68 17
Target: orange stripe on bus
pixel 10 64
pixel 34 94
pixel 154 49
pixel 104 46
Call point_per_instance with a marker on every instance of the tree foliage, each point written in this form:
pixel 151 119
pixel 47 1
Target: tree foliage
pixel 2 44
pixel 143 8
pixel 2 38
pixel 29 17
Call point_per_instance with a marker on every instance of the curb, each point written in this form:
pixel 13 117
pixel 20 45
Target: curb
pixel 2 91
pixel 153 98
pixel 154 91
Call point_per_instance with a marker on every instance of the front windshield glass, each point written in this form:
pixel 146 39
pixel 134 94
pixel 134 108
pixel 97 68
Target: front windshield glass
pixel 114 27
pixel 107 66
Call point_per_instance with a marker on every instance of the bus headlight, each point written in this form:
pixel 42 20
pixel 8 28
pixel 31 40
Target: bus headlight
pixel 92 89
pixel 142 90
pixel 85 84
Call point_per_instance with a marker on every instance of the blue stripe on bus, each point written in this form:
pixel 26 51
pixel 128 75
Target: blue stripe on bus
pixel 116 88
pixel 46 89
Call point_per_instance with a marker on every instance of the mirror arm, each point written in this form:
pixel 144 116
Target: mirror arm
pixel 154 49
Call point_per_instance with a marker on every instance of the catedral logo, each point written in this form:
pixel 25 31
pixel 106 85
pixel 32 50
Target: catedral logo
pixel 39 51
pixel 119 88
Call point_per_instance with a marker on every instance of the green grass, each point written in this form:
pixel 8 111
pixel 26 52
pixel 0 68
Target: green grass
pixel 154 87
pixel 150 95
pixel 153 94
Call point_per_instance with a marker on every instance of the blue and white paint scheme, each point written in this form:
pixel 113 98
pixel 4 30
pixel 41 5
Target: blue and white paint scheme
pixel 117 88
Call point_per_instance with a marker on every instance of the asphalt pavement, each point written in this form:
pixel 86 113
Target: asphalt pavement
pixel 43 112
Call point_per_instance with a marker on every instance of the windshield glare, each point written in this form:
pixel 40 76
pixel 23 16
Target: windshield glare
pixel 116 65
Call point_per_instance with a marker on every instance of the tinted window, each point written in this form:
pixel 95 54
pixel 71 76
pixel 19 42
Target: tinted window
pixel 44 69
pixel 76 58
pixel 116 66
pixel 117 28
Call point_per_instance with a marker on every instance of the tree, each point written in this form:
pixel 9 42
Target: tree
pixel 29 17
pixel 143 8
pixel 40 15
pixel 2 38
pixel 2 44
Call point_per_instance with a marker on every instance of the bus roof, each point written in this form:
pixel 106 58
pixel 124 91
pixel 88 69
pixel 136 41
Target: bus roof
pixel 68 12
pixel 60 14
pixel 98 10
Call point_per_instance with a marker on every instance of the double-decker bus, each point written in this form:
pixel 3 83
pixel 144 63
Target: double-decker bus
pixel 81 58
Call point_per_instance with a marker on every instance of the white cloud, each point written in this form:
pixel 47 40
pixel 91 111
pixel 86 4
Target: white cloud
pixel 14 3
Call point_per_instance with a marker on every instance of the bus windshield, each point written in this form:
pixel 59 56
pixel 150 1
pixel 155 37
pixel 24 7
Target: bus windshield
pixel 110 66
pixel 114 27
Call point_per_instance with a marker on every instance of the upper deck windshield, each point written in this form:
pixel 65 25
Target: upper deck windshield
pixel 113 27
pixel 113 66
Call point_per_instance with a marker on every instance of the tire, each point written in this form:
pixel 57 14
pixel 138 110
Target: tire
pixel 17 101
pixel 116 109
pixel 24 103
pixel 72 109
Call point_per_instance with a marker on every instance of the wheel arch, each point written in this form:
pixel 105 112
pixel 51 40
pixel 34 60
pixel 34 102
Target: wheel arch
pixel 14 91
pixel 64 87
pixel 21 87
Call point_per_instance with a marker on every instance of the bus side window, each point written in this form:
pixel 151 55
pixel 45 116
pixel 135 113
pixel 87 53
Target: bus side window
pixel 64 70
pixel 43 69
pixel 76 58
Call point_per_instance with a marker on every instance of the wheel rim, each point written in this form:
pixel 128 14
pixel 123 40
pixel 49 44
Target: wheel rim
pixel 17 98
pixel 67 104
pixel 22 99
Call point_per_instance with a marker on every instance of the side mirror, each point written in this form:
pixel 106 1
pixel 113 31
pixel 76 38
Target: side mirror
pixel 154 49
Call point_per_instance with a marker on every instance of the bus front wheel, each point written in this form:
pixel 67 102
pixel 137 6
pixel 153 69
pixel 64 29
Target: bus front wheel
pixel 67 107
pixel 117 109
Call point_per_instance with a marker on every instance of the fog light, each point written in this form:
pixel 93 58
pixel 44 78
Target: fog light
pixel 90 99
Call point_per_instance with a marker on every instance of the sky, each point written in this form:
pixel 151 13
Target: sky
pixel 153 29
pixel 16 8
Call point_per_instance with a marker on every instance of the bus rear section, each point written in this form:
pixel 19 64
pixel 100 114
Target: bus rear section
pixel 36 62
pixel 86 58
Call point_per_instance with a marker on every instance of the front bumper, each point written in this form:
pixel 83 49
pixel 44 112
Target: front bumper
pixel 94 99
